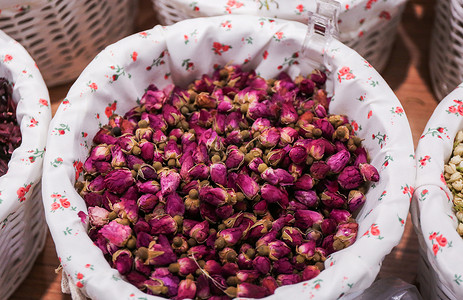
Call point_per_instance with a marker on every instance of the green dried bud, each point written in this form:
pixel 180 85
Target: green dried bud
pixel 136 150
pixel 262 167
pixel 157 165
pixel 193 194
pixel 143 124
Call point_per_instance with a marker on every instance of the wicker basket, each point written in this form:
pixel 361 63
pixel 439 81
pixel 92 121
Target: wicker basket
pixel 369 27
pixel 440 273
pixel 23 228
pixel 63 36
pixel 446 55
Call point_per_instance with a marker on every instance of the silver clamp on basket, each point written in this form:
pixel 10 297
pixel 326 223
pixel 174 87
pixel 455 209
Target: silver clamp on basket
pixel 322 28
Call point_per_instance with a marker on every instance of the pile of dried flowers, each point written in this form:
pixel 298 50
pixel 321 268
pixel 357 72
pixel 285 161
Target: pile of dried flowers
pixel 10 133
pixel 231 187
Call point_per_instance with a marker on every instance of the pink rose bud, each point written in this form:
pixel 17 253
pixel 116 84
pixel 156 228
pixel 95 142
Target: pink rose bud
pixel 224 107
pixel 262 264
pixel 244 262
pixel 218 173
pixel 298 154
pixel 247 185
pixel 319 170
pixel 327 244
pixel 123 261
pixel 133 160
pixel 260 125
pixel 136 278
pixel 369 172
pixel 159 137
pixel 212 267
pixel 350 178
pixel 248 275
pixel 288 114
pixel 278 249
pixel 98 216
pixel 270 137
pixel 213 196
pixel 307 86
pixel 295 205
pixel 317 149
pixel 147 172
pixel 328 226
pixel 235 158
pixel 282 222
pixel 259 228
pixel 287 136
pixel 254 164
pixel 175 205
pixel 200 232
pixel 333 200
pixel 204 100
pixel 172 150
pixel 187 139
pixel 170 181
pixel 320 111
pixel 186 289
pixel 283 266
pixel 287 279
pixel 143 239
pixel 338 161
pixel 126 143
pixel 177 132
pixel 163 225
pixel 234 138
pixel 250 290
pixel 199 171
pixel 292 236
pixel 171 115
pixel 308 198
pixel 340 216
pixel 306 249
pixel 127 208
pixel 103 137
pixel 233 121
pixel 139 265
pixel 296 170
pixel 260 208
pixel 141 225
pixel 109 199
pixel 203 290
pixel 318 77
pixel 270 284
pixel 208 212
pixel 160 253
pixel 153 99
pixel 119 180
pixel 272 194
pixel 347 233
pixel 184 266
pixel 258 110
pixel 230 269
pixel 144 134
pixel 147 202
pixel 168 279
pixel 355 200
pixel 277 176
pixel 306 218
pixel 361 156
pixel 150 187
pixel 201 252
pixel 310 272
pixel 224 211
pixel 304 182
pixel 275 157
pixel 116 233
pixel 231 235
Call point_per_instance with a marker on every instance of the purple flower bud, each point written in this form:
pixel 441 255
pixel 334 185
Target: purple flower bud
pixel 163 225
pixel 133 161
pixel 185 266
pixel 127 208
pixel 306 249
pixel 212 267
pixel 188 225
pixel 271 193
pixel 248 275
pixel 93 199
pixel 327 244
pixel 147 172
pixel 213 141
pixel 199 171
pixel 203 290
pixel 153 99
pixel 208 212
pixel 270 137
pixel 277 176
pixel 235 158
pixel 171 115
pixel 172 150
pixel 338 161
pixel 283 266
pixel 282 222
pixel 160 253
pixel 141 226
pixel 350 178
pixel 288 114
pixel 151 187
pixel 308 198
pixel 214 196
pixel 177 132
pixel 225 211
pixel 369 172
pixel 319 170
pixel 262 264
pixel 234 138
pixel 123 260
pixel 225 107
pixel 244 262
pixel 298 154
pixel 361 156
pixel 200 232
pixel 186 289
pixel 267 238
pixel 355 200
pixel 254 164
pixel 260 125
pixel 247 185
pixel 306 218
pixel 310 272
pixel 305 183
pixel 328 226
pixel 292 236
pixel 333 200
pixel 278 249
pixel 109 199
pixel 98 216
pixel 117 181
pixel 287 279
pixel 143 239
pixel 249 290
pixel 126 143
pixel 317 149
pixel 155 121
pixel 258 110
pixel 233 120
pixel 270 284
pixel 201 155
pixel 346 233
pixel 295 205
pixel 175 205
pixel 159 137
pixel 168 279
pixel 103 137
pixel 170 180
pixel 231 236
pixel 218 123
pixel 340 216
pixel 139 265
pixel 116 233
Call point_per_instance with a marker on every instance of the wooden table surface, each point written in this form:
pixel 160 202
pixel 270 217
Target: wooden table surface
pixel 407 74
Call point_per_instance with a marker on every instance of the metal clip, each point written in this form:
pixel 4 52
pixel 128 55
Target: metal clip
pixel 322 28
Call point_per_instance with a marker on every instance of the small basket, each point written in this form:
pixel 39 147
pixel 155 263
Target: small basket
pixel 367 26
pixel 440 272
pixel 23 228
pixel 446 56
pixel 63 36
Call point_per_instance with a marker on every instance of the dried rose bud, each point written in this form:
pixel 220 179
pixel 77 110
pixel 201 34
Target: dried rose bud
pixel 244 262
pixel 163 225
pixel 102 167
pixel 116 233
pixel 168 279
pixel 254 164
pixel 170 181
pixel 260 208
pixel 248 275
pixel 306 218
pixel 247 185
pixel 103 137
pixel 144 134
pixel 304 182
pixel 333 200
pixel 270 284
pixel 200 232
pixel 369 172
pixel 291 236
pixel 203 290
pixel 355 200
pixel 153 99
pixel 277 176
pixel 283 266
pixel 134 162
pixel 123 260
pixel 260 125
pixel 147 202
pixel 259 228
pixel 159 137
pixel 287 279
pixel 317 149
pixel 201 252
pixel 136 278
pixel 231 236
pixel 150 187
pixel 235 158
pixel 288 114
pixel 272 194
pixel 213 196
pixel 147 172
pixel 282 222
pixel 224 211
pixel 143 239
pixel 126 143
pixel 98 216
pixel 278 249
pixel 160 253
pixel 247 290
pixel 171 115
pixel 127 209
pixel 172 150
pixel 218 172
pixel 346 233
pixel 298 154
pixel 117 181
pixel 287 136
pixel 262 264
pixel 141 225
pixel 183 266
pixel 306 249
pixel 186 289
pixel 338 161
pixel 328 226
pixel 308 198
pixel 350 178
pixel 212 267
pixel 310 272
pixel 175 205
pixel 270 137
pixel 319 170
pixel 208 212
pixel 340 216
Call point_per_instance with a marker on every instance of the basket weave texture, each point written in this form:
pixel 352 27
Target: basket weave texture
pixel 367 26
pixel 63 36
pixel 22 228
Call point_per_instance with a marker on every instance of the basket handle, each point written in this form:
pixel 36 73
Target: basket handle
pixel 322 28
